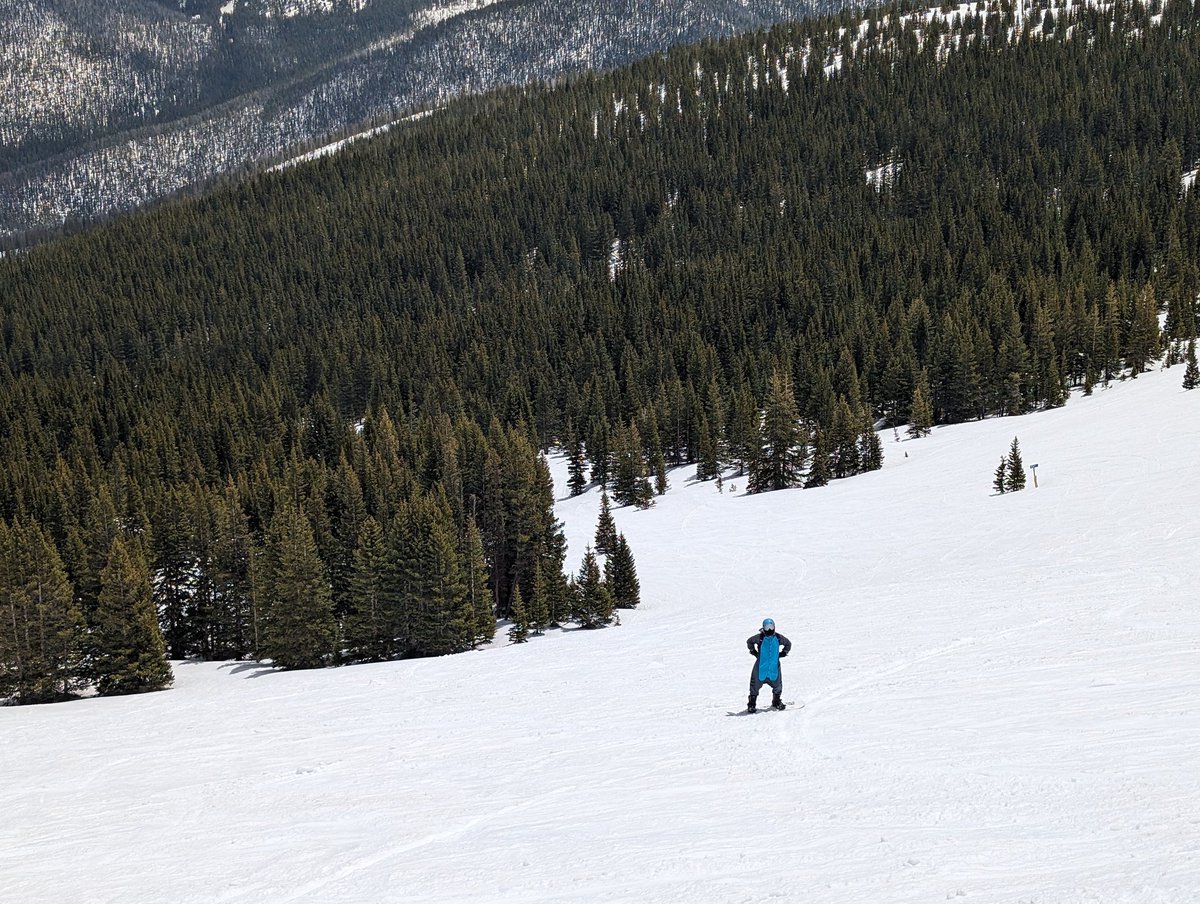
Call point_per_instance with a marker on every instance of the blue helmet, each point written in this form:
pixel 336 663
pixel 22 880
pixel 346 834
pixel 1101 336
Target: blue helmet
pixel 769 625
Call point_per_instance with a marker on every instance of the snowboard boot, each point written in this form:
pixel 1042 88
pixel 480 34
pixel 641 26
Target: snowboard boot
pixel 752 705
pixel 778 703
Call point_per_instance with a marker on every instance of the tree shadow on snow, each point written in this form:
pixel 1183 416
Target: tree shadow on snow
pixel 258 668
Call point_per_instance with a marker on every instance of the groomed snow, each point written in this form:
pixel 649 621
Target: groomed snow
pixel 1001 707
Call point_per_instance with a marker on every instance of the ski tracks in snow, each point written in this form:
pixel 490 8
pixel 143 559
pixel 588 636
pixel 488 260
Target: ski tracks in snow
pixel 340 874
pixel 815 704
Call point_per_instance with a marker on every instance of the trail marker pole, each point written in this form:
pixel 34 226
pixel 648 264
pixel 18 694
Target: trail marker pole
pixel 1033 468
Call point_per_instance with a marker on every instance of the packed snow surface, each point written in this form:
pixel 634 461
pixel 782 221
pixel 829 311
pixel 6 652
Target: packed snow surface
pixel 1001 706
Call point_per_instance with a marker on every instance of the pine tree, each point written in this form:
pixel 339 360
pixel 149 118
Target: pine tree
pixel 631 482
pixel 818 472
pixel 998 481
pixel 606 527
pixel 476 585
pixel 621 576
pixel 128 652
pixel 539 601
pixel 843 441
pixel 1015 476
pixel 781 452
pixel 435 585
pixel 921 419
pixel 174 575
pixel 41 628
pixel 298 630
pixel 742 429
pixel 658 460
pixel 1191 373
pixel 870 448
pixel 367 626
pixel 594 603
pixel 1145 338
pixel 577 467
pixel 519 631
pixel 235 632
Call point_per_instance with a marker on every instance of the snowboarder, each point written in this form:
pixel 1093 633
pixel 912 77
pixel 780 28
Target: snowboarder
pixel 767 648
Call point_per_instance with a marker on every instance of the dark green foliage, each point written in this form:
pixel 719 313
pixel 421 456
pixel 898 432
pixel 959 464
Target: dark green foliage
pixel 1000 478
pixel 477 596
pixel 782 452
pixel 621 576
pixel 1191 373
pixel 518 632
pixel 819 474
pixel 921 417
pixel 295 599
pixel 606 527
pixel 41 628
pixel 577 481
pixel 1014 477
pixel 128 652
pixel 539 601
pixel 369 624
pixel 870 449
pixel 631 481
pixel 1145 338
pixel 594 603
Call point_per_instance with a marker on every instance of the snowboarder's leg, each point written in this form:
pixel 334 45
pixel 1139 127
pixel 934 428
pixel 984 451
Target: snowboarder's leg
pixel 755 686
pixel 777 691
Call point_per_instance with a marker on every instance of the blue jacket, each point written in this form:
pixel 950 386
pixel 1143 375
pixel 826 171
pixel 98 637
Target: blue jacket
pixel 768 649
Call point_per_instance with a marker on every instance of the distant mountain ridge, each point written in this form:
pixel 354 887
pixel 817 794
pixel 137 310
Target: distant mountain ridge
pixel 107 105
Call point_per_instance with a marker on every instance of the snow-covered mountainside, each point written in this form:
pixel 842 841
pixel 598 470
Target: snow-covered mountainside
pixel 107 104
pixel 1000 704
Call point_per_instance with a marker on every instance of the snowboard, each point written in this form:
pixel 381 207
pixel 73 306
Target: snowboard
pixel 791 704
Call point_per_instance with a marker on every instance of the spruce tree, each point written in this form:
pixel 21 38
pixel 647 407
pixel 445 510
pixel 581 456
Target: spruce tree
pixel 436 587
pixel 367 627
pixel 921 418
pixel 1191 373
pixel 298 630
pixel 621 576
pixel 128 652
pixel 742 429
pixel 41 628
pixel 476 585
pixel 518 632
pixel 631 482
pixel 539 601
pixel 818 473
pixel 1014 478
pixel 577 467
pixel 781 453
pixel 594 603
pixel 870 448
pixel 843 439
pixel 998 480
pixel 235 622
pixel 1144 343
pixel 606 527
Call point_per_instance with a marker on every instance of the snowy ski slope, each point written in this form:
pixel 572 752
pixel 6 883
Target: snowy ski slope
pixel 1002 706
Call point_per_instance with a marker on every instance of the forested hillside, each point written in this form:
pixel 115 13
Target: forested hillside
pixel 108 104
pixel 329 385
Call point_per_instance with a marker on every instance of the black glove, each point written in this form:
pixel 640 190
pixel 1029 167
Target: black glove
pixel 754 653
pixel 784 653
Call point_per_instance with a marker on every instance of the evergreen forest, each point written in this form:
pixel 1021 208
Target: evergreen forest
pixel 304 416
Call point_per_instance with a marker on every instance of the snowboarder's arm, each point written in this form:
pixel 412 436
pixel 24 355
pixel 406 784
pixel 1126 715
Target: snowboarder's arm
pixel 752 645
pixel 784 645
